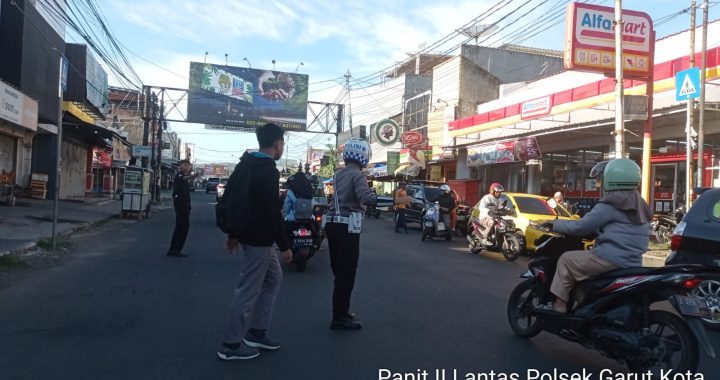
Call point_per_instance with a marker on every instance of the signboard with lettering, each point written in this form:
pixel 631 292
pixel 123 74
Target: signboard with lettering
pixel 536 108
pixel 590 40
pixel 17 107
pixel 141 151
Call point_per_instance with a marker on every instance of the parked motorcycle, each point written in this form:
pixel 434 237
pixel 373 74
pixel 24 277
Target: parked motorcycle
pixel 503 236
pixel 303 243
pixel 433 226
pixel 611 313
pixel 662 226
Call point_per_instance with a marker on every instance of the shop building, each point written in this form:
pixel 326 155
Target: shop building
pixel 570 116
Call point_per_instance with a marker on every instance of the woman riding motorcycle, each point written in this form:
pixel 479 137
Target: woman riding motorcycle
pixel 622 221
pixel 299 188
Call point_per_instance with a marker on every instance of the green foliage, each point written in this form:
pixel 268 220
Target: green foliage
pixel 328 170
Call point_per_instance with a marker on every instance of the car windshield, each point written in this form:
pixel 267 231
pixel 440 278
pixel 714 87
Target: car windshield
pixel 432 193
pixel 214 180
pixel 538 206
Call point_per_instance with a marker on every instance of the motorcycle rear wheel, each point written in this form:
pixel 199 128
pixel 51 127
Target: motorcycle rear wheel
pixel 674 334
pixel 519 305
pixel 511 247
pixel 424 234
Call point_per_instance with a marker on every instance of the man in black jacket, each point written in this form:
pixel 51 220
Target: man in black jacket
pixel 181 203
pixel 253 193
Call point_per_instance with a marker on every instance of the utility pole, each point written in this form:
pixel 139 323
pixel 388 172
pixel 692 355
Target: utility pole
pixel 148 108
pixel 646 187
pixel 347 85
pixel 58 166
pixel 701 122
pixel 619 91
pixel 690 121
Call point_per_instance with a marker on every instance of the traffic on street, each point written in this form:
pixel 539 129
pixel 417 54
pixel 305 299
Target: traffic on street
pixel 404 190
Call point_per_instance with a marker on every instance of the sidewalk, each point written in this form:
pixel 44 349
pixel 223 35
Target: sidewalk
pixel 30 220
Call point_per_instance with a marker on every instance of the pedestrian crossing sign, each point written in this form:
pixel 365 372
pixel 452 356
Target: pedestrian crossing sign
pixel 687 84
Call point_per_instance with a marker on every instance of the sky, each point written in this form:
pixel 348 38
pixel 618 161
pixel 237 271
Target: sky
pixel 329 37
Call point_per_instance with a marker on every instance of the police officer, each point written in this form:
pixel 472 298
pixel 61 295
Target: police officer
pixel 181 203
pixel 343 225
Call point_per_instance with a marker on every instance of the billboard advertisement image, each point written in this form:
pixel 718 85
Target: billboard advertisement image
pixel 244 97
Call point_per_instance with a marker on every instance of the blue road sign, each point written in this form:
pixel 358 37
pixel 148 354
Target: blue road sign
pixel 687 84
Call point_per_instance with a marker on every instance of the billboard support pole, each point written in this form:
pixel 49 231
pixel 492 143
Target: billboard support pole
pixel 690 121
pixel 619 91
pixel 161 125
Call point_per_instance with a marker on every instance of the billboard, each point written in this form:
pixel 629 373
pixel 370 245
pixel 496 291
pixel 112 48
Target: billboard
pixel 590 40
pixel 244 97
pixel 522 149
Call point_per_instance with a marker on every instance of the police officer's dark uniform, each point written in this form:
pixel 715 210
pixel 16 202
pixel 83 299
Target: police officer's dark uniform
pixel 352 194
pixel 181 203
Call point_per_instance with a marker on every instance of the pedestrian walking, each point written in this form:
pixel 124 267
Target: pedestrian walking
pixel 343 224
pixel 183 207
pixel 253 220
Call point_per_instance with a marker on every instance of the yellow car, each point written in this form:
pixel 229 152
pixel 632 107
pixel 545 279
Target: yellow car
pixel 529 207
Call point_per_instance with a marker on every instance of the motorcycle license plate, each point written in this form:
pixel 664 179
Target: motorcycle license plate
pixel 302 242
pixel 441 226
pixel 428 224
pixel 693 307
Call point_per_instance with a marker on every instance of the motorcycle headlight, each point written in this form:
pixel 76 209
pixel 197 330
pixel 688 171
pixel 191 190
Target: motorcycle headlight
pixel 431 211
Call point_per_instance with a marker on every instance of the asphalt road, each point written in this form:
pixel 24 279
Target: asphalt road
pixel 120 309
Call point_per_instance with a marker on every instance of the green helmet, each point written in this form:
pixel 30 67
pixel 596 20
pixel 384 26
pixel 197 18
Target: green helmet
pixel 617 174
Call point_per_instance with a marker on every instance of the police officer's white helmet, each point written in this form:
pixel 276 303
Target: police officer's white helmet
pixel 357 150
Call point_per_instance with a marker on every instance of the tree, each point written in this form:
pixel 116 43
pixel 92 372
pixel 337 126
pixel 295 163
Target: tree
pixel 328 170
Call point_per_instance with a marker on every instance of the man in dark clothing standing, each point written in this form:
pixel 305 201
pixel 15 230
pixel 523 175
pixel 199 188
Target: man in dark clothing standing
pixel 447 203
pixel 252 198
pixel 181 203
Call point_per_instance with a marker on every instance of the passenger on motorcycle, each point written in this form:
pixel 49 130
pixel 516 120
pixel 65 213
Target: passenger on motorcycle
pixel 621 219
pixel 490 202
pixel 298 202
pixel 447 203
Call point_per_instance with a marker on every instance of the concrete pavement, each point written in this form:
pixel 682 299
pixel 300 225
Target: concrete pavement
pixel 30 220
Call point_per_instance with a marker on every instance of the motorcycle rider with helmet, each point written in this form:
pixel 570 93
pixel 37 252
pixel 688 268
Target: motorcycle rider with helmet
pixel 490 202
pixel 621 219
pixel 343 224
pixel 447 203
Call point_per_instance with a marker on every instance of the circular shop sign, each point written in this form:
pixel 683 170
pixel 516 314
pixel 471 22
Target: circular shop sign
pixel 387 132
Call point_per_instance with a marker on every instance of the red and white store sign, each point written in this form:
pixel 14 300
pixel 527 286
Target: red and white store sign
pixel 590 40
pixel 536 108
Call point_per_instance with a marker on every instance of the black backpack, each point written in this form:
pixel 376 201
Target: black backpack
pixel 231 213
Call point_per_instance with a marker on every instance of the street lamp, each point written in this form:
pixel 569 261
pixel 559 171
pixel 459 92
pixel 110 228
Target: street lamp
pixel 248 61
pixel 298 66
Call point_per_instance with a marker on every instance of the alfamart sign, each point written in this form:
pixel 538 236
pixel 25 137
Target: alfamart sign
pixel 590 40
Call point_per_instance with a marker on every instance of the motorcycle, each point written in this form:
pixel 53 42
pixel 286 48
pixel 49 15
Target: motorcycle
pixel 319 209
pixel 503 236
pixel 662 226
pixel 432 225
pixel 611 313
pixel 303 243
